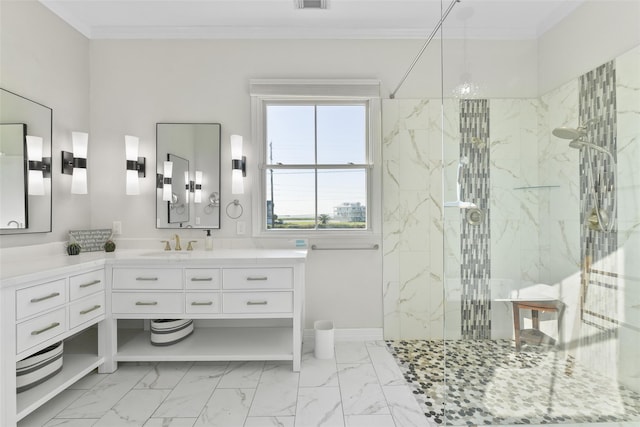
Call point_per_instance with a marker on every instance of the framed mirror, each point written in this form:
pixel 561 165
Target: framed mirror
pixel 192 151
pixel 25 165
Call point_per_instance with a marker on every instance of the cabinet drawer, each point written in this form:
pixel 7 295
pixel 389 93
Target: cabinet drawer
pixel 147 278
pixel 36 299
pixel 257 278
pixel 202 302
pixel 86 284
pixel 34 331
pixel 142 303
pixel 202 278
pixel 86 309
pixel 257 302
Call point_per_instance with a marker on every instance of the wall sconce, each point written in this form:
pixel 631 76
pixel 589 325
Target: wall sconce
pixel 39 167
pixel 165 182
pixel 197 196
pixel 136 166
pixel 238 165
pixel 75 164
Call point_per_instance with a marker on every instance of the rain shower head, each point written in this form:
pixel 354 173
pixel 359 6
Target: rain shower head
pixel 569 133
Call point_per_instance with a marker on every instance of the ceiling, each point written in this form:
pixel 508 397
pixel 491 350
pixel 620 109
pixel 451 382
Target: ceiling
pixel 351 19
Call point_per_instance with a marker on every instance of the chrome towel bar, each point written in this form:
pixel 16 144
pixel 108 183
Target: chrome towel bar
pixel 366 248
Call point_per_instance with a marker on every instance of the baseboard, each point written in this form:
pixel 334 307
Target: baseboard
pixel 356 334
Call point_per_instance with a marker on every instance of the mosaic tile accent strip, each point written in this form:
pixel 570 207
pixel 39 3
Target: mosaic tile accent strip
pixel 481 382
pixel 475 265
pixel 599 304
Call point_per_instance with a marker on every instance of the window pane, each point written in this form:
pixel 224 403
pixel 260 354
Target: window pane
pixel 291 194
pixel 342 134
pixel 342 198
pixel 290 134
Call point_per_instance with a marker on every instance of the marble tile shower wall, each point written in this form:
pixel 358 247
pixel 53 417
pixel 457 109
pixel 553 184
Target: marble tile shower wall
pixel 514 204
pixel 412 242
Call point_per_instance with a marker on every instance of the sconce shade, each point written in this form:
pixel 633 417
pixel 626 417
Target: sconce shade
pixel 36 176
pixel 166 183
pixel 238 165
pixel 131 152
pixel 80 142
pixel 237 184
pixel 236 147
pixel 197 197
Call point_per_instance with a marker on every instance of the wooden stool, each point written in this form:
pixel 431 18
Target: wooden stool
pixel 535 307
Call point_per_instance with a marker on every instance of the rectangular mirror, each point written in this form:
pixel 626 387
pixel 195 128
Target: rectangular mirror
pixel 25 206
pixel 194 151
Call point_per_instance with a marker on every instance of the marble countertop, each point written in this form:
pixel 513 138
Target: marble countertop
pixel 18 268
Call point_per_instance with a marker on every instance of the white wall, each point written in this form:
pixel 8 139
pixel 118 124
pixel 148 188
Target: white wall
pixel 45 60
pixel 596 32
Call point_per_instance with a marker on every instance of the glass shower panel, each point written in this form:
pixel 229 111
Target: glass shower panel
pixel 540 299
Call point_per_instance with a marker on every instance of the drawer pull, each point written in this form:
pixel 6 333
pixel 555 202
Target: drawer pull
pixel 257 278
pixel 256 303
pixel 147 279
pixel 86 285
pixel 89 310
pixel 53 295
pixel 202 279
pixel 202 303
pixel 51 326
pixel 147 303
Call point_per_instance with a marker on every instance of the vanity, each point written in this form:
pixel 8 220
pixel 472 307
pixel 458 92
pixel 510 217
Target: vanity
pixel 246 304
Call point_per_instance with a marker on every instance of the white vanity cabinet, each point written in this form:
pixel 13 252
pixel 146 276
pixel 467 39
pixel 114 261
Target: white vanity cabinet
pixel 244 307
pixel 38 311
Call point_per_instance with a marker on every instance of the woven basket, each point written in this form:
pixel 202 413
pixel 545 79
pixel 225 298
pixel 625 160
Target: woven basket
pixel 38 367
pixel 170 331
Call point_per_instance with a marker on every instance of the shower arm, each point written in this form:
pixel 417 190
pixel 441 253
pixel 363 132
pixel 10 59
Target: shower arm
pixel 424 47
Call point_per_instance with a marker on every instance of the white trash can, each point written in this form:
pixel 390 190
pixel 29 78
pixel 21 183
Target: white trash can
pixel 324 339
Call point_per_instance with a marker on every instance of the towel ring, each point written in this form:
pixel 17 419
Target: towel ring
pixel 235 202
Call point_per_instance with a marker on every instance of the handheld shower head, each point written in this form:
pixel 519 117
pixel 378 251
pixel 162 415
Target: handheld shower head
pixel 578 143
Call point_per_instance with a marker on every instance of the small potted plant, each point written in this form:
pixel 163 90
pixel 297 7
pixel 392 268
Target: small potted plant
pixel 73 248
pixel 109 246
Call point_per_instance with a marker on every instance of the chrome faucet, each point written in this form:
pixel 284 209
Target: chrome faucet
pixel 14 222
pixel 178 247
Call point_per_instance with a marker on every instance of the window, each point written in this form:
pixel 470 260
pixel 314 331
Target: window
pixel 317 161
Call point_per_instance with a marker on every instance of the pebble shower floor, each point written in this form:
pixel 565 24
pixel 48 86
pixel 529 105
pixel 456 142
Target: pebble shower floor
pixel 488 382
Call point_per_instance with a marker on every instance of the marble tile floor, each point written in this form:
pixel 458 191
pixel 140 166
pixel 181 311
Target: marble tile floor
pixel 361 387
pixel 486 382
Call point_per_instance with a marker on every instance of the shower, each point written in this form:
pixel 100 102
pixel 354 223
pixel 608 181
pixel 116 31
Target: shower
pixel 599 219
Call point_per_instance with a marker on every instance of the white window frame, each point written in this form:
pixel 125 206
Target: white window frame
pixel 265 92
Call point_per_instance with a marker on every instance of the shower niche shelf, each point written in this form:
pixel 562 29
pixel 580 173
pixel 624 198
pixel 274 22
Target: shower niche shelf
pixel 537 187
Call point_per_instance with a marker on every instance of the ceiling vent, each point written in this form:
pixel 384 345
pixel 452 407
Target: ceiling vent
pixel 311 4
